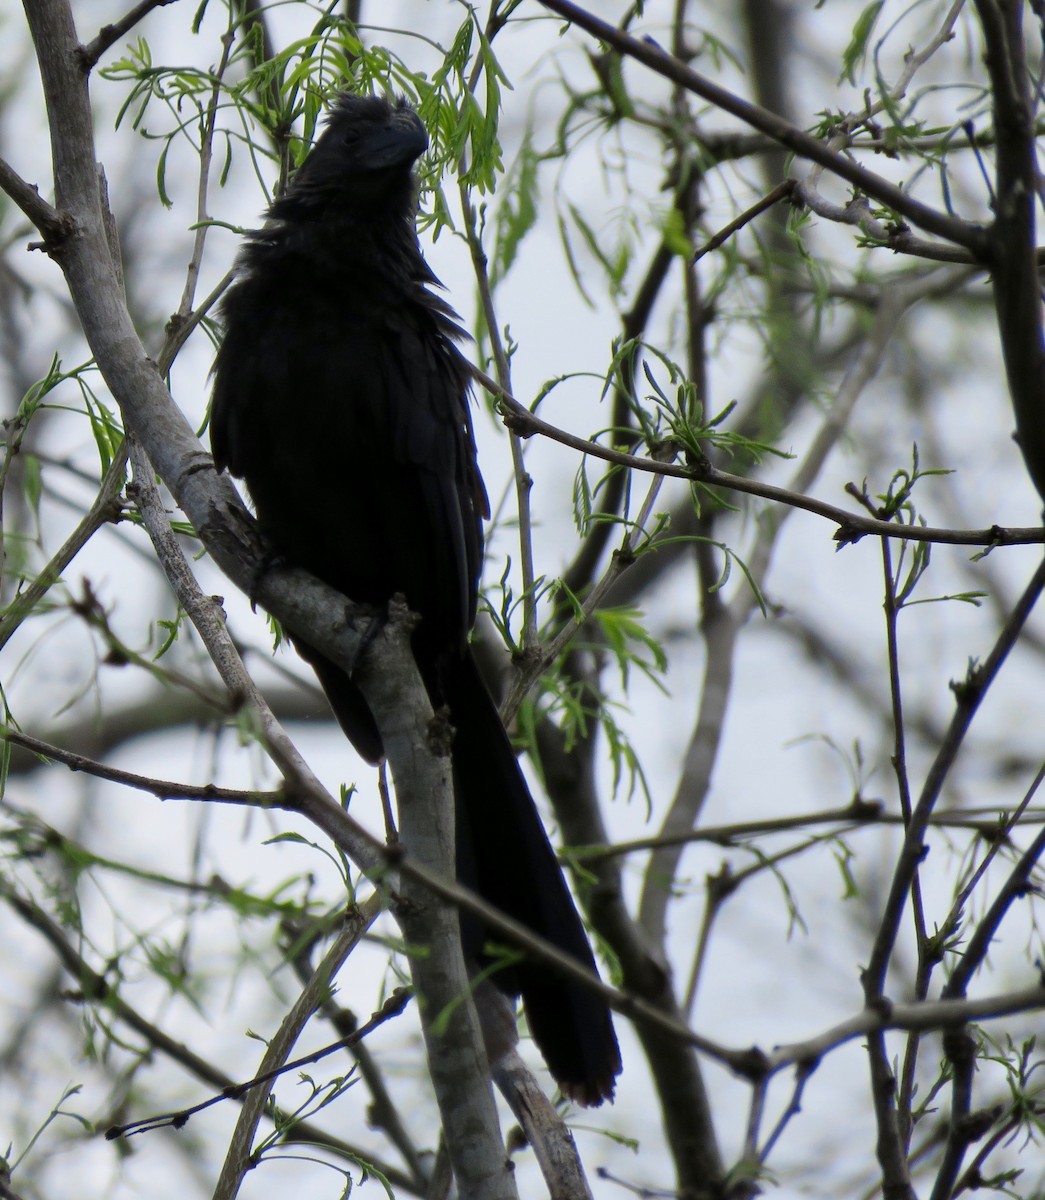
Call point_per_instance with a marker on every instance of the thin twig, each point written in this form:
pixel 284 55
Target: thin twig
pixel 647 52
pixel 851 526
pixel 54 225
pixel 110 34
pixel 803 1071
pixel 179 328
pixel 238 1157
pixel 202 222
pixel 94 987
pixel 261 1082
pixel 523 481
pixel 959 1044
pixel 382 1112
pixel 543 656
pixel 924 1015
pixel 976 948
pixel 163 789
pixel 580 572
pixel 106 508
pixel 969 694
pixel 780 192
pixel 925 960
pixel 998 839
pixel 989 823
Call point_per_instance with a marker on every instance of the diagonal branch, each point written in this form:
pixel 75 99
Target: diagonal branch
pixel 395 692
pixel 1017 290
pixel 95 987
pixel 239 1158
pixel 851 526
pixel 54 225
pixel 647 52
pixel 110 34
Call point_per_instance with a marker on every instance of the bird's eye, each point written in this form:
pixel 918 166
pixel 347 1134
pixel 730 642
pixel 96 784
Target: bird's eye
pixel 350 137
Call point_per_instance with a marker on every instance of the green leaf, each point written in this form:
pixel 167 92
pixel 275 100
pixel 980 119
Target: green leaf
pixel 170 631
pixel 517 212
pixel 857 47
pixel 614 263
pixel 582 505
pixel 676 237
pixel 32 481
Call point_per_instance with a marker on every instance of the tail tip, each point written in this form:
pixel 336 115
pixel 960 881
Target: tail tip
pixel 595 1089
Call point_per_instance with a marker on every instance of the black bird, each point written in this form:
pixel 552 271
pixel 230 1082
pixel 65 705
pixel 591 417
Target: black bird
pixel 341 397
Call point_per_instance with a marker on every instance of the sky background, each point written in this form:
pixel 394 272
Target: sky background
pixel 769 979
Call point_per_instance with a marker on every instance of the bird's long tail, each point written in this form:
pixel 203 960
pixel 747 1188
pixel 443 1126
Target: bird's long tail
pixel 504 854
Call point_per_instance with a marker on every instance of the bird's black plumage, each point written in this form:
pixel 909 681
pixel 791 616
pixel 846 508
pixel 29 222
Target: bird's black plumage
pixel 341 397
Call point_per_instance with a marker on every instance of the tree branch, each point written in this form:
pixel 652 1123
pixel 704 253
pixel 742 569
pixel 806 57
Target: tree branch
pixel 648 53
pixel 95 988
pixel 161 788
pixel 238 1157
pixel 110 34
pixel 54 225
pixel 851 526
pixel 94 282
pixel 1014 270
pixel 923 1016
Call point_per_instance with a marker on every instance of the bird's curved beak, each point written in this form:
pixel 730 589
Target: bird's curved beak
pixel 400 142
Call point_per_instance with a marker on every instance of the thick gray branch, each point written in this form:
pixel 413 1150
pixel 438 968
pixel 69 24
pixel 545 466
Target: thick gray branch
pixel 395 692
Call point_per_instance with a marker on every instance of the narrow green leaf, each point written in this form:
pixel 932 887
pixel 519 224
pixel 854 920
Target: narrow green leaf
pixel 857 48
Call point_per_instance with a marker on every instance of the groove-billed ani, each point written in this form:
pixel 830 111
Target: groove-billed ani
pixel 341 398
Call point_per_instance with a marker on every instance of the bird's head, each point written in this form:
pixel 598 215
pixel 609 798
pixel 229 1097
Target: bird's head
pixel 364 156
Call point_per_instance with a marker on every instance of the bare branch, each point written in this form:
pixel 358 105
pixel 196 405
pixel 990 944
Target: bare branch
pixel 1014 271
pixel 94 987
pixel 161 788
pixel 110 34
pixel 54 225
pixel 105 508
pixel 239 1158
pixel 923 1016
pixel 851 526
pixel 648 53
